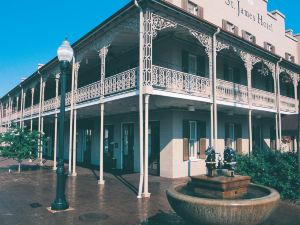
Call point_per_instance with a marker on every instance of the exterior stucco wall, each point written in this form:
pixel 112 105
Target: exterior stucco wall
pixel 217 10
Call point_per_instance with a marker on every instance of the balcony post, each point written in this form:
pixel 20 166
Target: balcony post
pixel 1 115
pixel 250 131
pixel 57 76
pixel 71 119
pixel 10 110
pixel 40 112
pixel 277 78
pixel 211 71
pixel 146 193
pixel 74 173
pixel 23 109
pixel 249 67
pixel 21 106
pixel 102 54
pixel 31 110
pixel 42 121
pixel 276 125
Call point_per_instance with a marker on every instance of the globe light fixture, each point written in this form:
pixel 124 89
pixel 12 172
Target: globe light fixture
pixel 65 55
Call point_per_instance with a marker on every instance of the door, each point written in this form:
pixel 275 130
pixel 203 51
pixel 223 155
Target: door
pixel 127 147
pixel 87 147
pixel 154 148
pixel 108 147
pixel 257 138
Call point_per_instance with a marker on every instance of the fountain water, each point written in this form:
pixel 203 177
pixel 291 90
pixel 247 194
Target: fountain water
pixel 221 197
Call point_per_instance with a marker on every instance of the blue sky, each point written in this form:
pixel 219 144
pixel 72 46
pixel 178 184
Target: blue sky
pixel 32 30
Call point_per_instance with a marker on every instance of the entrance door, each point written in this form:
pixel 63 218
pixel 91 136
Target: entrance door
pixel 108 147
pixel 87 147
pixel 127 147
pixel 257 138
pixel 154 148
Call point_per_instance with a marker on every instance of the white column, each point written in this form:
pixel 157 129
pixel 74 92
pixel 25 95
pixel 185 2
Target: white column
pixel 276 125
pixel 31 110
pixel 1 116
pixel 214 53
pixel 42 121
pixel 146 193
pixel 74 173
pixel 250 130
pixel 40 113
pixel 101 180
pixel 71 119
pixel 55 123
pixel 21 106
pixel 102 54
pixel 23 109
pixel 211 72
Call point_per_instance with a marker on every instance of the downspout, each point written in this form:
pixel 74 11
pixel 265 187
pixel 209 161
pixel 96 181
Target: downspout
pixel 141 116
pixel 214 81
pixel 278 103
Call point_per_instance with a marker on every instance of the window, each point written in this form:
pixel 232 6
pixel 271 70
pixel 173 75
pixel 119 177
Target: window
pixel 233 136
pixel 230 27
pixel 289 57
pixel 194 140
pixel 192 8
pixel 269 47
pixel 192 64
pixel 248 36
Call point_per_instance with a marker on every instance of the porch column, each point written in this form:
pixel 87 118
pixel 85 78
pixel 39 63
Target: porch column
pixel 102 54
pixel 101 181
pixel 211 72
pixel 17 106
pixel 40 113
pixel 1 116
pixel 146 193
pixel 23 109
pixel 249 67
pixel 295 80
pixel 71 119
pixel 278 104
pixel 74 173
pixel 42 121
pixel 31 110
pixel 55 123
pixel 214 92
pixel 250 131
pixel 276 125
pixel 21 106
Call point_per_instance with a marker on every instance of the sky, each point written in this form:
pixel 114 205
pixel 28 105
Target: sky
pixel 32 30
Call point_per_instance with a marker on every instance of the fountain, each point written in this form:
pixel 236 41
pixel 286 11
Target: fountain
pixel 221 197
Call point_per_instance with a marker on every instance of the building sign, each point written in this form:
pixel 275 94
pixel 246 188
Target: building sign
pixel 243 11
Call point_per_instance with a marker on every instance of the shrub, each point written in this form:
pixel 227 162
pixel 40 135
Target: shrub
pixel 20 144
pixel 272 168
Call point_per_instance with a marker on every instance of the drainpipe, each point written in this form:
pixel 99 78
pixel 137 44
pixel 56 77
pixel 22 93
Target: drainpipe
pixel 215 86
pixel 141 116
pixel 278 102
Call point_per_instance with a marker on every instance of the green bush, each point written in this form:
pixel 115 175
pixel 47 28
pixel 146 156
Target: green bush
pixel 274 169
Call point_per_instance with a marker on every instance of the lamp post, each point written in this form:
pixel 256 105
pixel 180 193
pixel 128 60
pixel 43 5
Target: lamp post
pixel 65 54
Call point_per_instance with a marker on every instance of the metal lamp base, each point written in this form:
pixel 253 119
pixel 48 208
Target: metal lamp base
pixel 59 204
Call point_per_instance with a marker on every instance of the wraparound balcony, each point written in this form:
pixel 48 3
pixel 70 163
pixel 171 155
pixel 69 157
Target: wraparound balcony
pixel 169 80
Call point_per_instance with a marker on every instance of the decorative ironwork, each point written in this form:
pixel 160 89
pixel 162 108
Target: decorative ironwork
pixel 177 81
pixel 121 82
pixel 204 39
pixel 232 92
pixel 148 40
pixel 159 23
pixel 220 45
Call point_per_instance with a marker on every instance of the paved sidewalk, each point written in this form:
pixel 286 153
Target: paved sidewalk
pixel 24 198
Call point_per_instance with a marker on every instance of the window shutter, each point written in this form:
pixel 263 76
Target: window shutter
pixel 236 30
pixel 287 56
pixel 201 65
pixel 224 24
pixel 185 61
pixel 227 138
pixel 254 39
pixel 226 72
pixel 293 59
pixel 238 138
pixel 244 35
pixel 184 4
pixel 201 130
pixel 186 134
pixel 273 49
pixel 200 12
pixel 237 75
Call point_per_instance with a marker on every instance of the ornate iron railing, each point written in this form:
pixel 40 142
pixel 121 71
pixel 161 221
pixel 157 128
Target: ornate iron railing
pixel 232 92
pixel 263 98
pixel 121 82
pixel 177 81
pixel 288 104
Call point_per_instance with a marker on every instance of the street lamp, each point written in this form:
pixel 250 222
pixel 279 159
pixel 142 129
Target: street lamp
pixel 65 55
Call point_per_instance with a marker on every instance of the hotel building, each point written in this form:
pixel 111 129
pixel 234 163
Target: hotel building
pixel 167 79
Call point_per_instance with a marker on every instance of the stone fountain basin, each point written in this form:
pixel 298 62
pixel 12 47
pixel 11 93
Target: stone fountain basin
pixel 248 211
